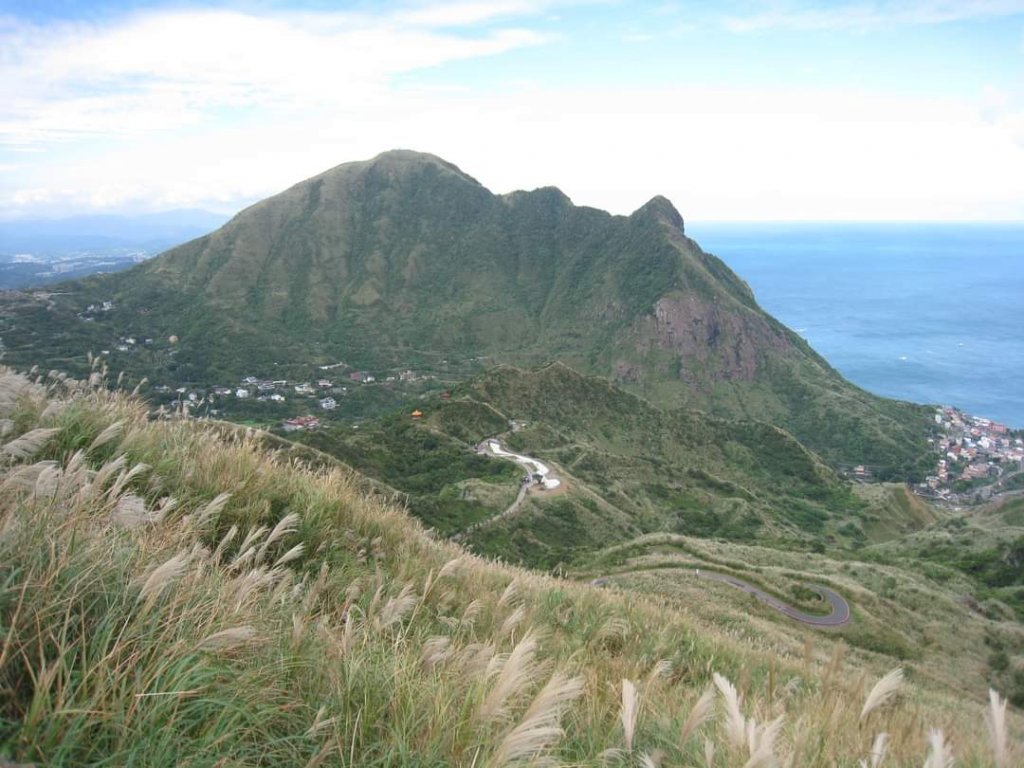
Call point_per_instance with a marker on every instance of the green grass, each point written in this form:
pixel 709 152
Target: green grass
pixel 428 466
pixel 300 621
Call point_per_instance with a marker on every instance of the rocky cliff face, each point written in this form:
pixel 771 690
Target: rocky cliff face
pixel 724 345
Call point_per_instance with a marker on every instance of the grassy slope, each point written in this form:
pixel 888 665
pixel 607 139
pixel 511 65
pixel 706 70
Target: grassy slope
pixel 635 468
pixel 298 622
pixel 447 486
pixel 902 613
pixel 629 467
pixel 138 631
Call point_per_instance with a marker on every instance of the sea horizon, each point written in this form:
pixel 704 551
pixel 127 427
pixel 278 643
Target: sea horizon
pixel 920 311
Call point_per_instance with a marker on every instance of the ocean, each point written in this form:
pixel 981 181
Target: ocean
pixel 932 313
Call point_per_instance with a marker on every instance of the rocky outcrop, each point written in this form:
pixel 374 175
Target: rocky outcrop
pixel 711 342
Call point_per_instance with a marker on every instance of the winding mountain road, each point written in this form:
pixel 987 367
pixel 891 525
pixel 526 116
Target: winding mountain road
pixel 839 616
pixel 535 468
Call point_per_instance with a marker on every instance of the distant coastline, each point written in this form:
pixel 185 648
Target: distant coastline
pixel 928 312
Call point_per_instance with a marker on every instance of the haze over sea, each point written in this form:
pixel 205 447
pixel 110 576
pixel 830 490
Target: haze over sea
pixel 932 313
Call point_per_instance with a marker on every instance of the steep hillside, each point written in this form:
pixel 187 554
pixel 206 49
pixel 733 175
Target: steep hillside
pixel 404 260
pixel 172 595
pixel 635 468
pixel 629 468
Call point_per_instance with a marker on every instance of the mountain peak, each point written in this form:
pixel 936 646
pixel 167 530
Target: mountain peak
pixel 406 160
pixel 660 207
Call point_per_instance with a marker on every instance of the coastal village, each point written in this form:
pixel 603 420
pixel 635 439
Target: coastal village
pixel 977 457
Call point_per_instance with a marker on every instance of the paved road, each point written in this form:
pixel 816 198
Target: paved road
pixel 534 467
pixel 840 615
pixel 549 482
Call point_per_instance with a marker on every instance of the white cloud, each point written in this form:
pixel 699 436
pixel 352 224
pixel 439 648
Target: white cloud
pixel 817 16
pixel 212 109
pixel 171 69
pixel 716 154
pixel 469 13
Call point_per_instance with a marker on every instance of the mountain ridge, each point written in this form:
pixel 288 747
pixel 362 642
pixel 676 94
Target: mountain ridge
pixel 404 259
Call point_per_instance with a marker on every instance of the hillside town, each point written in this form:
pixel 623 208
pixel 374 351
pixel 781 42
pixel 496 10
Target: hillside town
pixel 321 395
pixel 977 457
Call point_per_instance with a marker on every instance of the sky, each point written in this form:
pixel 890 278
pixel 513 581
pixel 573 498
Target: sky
pixel 737 110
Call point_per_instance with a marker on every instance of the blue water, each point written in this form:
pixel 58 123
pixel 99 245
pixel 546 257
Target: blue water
pixel 932 313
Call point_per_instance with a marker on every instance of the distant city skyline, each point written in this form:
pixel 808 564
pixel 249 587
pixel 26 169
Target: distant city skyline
pixel 741 110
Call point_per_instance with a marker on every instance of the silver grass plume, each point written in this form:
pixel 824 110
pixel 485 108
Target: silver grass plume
pixel 473 660
pixel 512 621
pixel 883 691
pixel 162 577
pixel 287 524
pixel 247 550
pixel 519 670
pixel 539 728
pixel 939 754
pixel 628 713
pixel 995 718
pixel 292 554
pixel 48 480
pixel 28 444
pixel 222 545
pixel 125 478
pixel 107 471
pixel 699 715
pixel 471 612
pixel 709 753
pixel 52 410
pixel 213 508
pixel 131 512
pixel 735 723
pixel 450 567
pixel 397 607
pixel 878 750
pixel 320 722
pixel 761 743
pixel 111 433
pixel 436 650
pixel 227 639
pixel 662 670
pixel 27 477
pixel 510 596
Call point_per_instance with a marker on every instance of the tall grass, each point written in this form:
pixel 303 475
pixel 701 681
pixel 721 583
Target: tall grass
pixel 172 595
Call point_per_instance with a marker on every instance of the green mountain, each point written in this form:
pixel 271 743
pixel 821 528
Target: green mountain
pixel 404 260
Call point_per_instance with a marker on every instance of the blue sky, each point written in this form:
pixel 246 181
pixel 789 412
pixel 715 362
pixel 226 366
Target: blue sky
pixel 773 109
